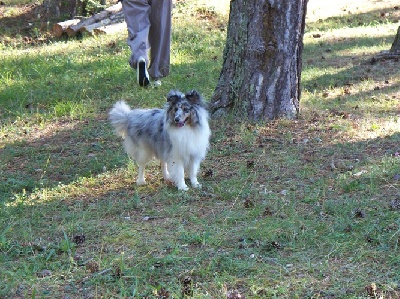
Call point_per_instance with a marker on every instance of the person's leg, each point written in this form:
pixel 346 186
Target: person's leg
pixel 160 38
pixel 136 14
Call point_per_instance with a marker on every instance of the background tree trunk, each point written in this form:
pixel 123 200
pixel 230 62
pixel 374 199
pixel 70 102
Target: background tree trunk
pixel 261 71
pixel 393 53
pixel 72 8
pixel 59 8
pixel 396 43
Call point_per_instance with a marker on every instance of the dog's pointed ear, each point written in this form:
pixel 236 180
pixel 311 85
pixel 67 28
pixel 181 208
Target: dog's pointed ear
pixel 172 96
pixel 194 116
pixel 194 97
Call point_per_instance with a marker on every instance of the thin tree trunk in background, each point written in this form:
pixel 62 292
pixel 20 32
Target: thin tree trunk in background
pixel 59 8
pixel 393 53
pixel 260 77
pixel 396 43
pixel 72 8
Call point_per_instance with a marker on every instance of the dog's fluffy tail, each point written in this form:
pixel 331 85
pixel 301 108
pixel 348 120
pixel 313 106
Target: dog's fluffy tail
pixel 119 118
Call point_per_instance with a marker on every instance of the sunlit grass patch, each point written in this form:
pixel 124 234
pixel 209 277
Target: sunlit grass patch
pixel 358 13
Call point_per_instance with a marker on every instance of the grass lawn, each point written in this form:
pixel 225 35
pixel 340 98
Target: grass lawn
pixel 289 209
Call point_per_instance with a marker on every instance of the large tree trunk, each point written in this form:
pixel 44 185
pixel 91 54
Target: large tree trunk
pixel 261 71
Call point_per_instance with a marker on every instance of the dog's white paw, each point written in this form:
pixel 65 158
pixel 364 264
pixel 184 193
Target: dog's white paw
pixel 183 187
pixel 141 182
pixel 196 184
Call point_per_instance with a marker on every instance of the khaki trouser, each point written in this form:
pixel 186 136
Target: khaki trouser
pixel 149 30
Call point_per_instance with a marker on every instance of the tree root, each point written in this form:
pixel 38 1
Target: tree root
pixel 385 55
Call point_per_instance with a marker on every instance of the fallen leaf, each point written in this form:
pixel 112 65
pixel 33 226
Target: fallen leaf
pixel 79 239
pixel 248 203
pixel 371 290
pixel 235 295
pixel 359 213
pixel 45 273
pixel 395 204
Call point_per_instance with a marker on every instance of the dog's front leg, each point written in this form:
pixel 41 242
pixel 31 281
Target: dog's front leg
pixel 193 170
pixel 179 177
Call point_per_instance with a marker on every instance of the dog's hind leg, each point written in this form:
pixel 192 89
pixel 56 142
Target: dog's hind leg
pixel 141 180
pixel 142 158
pixel 193 170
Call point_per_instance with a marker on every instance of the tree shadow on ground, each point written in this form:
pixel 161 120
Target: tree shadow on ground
pixel 59 157
pixel 353 69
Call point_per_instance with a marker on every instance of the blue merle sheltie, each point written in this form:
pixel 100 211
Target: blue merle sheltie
pixel 177 135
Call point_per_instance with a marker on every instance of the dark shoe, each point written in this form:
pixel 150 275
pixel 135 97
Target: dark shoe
pixel 142 74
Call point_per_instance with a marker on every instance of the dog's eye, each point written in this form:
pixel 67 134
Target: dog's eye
pixel 186 110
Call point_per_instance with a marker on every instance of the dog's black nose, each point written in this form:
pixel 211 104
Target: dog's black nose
pixel 176 119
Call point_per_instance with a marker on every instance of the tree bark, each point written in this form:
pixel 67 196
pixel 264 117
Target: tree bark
pixel 261 71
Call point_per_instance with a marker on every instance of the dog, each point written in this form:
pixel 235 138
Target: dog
pixel 177 135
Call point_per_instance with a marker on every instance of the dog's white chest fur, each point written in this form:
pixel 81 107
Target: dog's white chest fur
pixel 190 143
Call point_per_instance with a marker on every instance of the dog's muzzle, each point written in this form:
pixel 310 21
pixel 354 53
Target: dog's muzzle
pixel 179 123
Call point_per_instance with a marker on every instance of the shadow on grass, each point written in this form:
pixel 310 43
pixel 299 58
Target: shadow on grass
pixel 31 19
pixel 58 156
pixel 60 76
pixel 378 102
pixel 352 69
